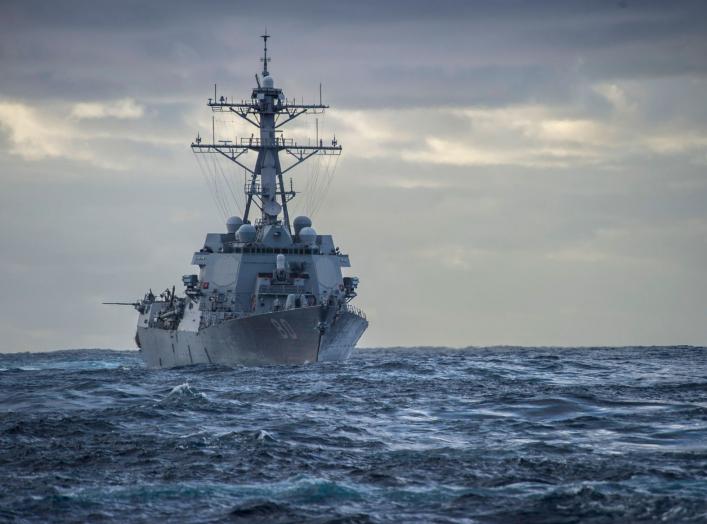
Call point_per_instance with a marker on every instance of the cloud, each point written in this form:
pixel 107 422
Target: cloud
pixel 38 133
pixel 81 133
pixel 677 143
pixel 126 108
pixel 34 135
pixel 533 136
pixel 617 96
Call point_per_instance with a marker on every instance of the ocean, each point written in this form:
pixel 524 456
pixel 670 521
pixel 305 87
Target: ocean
pixel 506 434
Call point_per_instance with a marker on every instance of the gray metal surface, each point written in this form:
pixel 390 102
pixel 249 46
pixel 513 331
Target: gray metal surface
pixel 287 337
pixel 264 294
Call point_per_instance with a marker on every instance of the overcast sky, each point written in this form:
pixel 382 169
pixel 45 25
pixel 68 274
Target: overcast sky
pixel 530 173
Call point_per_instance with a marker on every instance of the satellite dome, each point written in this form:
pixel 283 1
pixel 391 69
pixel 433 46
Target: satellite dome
pixel 268 82
pixel 246 233
pixel 308 235
pixel 301 222
pixel 233 223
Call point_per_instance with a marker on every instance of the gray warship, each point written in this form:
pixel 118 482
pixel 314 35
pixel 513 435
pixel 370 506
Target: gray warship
pixel 268 291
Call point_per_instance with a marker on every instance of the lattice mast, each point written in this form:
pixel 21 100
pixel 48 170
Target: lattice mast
pixel 268 110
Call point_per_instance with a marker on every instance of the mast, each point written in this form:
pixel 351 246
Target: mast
pixel 268 110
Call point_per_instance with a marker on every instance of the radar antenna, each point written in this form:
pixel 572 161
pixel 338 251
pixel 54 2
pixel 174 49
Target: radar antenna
pixel 268 110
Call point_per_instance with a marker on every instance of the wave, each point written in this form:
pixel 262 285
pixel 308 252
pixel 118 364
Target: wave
pixel 424 434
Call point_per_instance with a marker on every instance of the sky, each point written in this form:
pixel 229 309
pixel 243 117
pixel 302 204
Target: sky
pixel 514 173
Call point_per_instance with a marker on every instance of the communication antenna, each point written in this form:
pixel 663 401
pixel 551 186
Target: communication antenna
pixel 265 58
pixel 268 110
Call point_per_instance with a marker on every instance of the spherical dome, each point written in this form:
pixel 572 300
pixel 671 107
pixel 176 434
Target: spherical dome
pixel 301 222
pixel 246 233
pixel 268 82
pixel 308 235
pixel 233 223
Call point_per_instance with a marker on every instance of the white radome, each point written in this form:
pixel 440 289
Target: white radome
pixel 233 223
pixel 246 233
pixel 308 235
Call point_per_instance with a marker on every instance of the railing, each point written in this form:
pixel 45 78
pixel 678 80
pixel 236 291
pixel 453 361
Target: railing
pixel 277 142
pixel 355 311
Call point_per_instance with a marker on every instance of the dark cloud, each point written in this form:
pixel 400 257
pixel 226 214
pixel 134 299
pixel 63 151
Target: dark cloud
pixel 456 52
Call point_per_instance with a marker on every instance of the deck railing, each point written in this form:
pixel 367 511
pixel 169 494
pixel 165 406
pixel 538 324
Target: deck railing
pixel 355 311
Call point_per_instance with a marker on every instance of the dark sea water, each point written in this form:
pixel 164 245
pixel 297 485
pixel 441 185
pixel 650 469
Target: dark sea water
pixel 403 435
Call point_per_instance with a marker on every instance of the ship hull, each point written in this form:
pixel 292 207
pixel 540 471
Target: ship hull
pixel 282 337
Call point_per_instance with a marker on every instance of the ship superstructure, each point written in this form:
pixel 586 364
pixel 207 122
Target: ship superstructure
pixel 268 290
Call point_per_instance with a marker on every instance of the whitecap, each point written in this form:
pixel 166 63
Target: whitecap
pixel 180 389
pixel 263 435
pixel 184 390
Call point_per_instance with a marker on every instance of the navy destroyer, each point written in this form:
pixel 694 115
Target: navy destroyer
pixel 268 291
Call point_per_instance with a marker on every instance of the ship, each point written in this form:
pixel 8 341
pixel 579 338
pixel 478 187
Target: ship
pixel 268 290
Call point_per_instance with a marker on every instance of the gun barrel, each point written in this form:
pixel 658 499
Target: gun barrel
pixel 120 303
